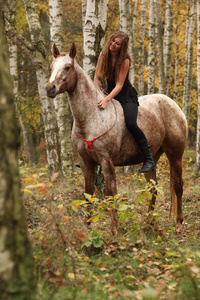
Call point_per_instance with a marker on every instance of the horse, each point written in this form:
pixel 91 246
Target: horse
pixel 102 138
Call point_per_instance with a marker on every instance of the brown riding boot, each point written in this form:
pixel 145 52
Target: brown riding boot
pixel 149 164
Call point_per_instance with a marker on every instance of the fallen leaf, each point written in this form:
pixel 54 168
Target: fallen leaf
pixel 65 218
pixel 55 175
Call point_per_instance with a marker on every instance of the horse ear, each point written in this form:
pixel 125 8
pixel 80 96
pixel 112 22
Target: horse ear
pixel 72 52
pixel 56 52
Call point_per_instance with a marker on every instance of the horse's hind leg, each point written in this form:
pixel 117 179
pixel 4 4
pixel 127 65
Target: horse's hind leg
pixel 176 187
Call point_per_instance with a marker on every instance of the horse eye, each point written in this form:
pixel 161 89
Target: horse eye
pixel 67 68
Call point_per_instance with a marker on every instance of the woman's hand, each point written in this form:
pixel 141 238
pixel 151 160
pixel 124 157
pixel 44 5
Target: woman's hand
pixel 103 103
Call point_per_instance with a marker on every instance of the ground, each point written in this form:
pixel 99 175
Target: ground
pixel 149 258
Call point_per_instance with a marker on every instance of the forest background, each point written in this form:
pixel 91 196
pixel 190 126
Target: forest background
pixel 163 48
pixel 70 260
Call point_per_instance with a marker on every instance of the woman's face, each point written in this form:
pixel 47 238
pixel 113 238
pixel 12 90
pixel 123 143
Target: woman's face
pixel 116 44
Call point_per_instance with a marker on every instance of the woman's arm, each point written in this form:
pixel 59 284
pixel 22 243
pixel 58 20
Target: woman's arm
pixel 119 84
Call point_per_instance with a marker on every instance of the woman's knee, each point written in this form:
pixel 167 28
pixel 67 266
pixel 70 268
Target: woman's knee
pixel 135 131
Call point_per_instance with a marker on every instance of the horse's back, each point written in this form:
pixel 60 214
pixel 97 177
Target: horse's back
pixel 168 118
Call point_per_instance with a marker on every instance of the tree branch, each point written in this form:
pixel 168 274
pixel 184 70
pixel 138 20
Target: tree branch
pixel 18 39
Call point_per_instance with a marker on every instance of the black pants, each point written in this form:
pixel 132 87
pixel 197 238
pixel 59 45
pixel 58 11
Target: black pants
pixel 130 112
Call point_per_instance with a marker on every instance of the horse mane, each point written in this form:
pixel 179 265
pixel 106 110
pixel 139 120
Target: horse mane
pixel 89 79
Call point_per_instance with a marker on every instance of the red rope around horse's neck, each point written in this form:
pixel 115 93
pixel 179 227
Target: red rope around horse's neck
pixel 89 142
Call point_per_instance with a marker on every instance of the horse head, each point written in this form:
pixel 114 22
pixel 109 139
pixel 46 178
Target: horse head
pixel 63 74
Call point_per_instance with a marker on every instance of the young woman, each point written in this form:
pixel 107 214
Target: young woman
pixel 113 65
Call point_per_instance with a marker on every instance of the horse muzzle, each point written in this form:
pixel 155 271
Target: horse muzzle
pixel 51 90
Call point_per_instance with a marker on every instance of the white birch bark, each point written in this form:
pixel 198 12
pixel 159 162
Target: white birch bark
pixel 56 22
pixel 124 13
pixel 93 33
pixel 141 49
pixel 61 104
pixel 175 96
pixel 189 61
pixel 198 78
pixel 40 60
pixel 151 51
pixel 167 49
pixel 133 34
pixel 14 73
pixel 125 10
pixel 13 50
pixel 159 42
pixel 12 46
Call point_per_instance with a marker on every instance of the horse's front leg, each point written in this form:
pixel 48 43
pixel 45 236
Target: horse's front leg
pixel 109 177
pixel 88 169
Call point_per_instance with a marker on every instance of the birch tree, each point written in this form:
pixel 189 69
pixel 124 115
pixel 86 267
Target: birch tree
pixel 159 42
pixel 30 149
pixel 93 33
pixel 176 54
pixel 198 78
pixel 16 269
pixel 39 56
pixel 189 58
pixel 133 50
pixel 40 59
pixel 151 51
pixel 167 48
pixel 141 49
pixel 125 12
pixel 61 104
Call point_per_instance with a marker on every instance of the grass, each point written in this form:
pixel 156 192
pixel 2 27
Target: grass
pixel 76 261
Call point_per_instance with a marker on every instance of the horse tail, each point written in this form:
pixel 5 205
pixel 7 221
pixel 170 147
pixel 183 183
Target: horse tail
pixel 173 207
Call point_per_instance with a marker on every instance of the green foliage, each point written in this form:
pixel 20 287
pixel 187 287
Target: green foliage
pixel 95 240
pixel 148 259
pixel 21 22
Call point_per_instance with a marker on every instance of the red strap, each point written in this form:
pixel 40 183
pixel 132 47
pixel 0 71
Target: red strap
pixel 90 142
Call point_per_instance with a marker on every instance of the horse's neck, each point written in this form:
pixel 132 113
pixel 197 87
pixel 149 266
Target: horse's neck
pixel 83 100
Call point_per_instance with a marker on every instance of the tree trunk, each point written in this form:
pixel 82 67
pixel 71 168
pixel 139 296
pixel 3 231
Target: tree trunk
pixel 141 49
pixel 40 60
pixel 159 41
pixel 198 78
pixel 93 33
pixel 125 15
pixel 167 49
pixel 175 96
pixel 16 269
pixel 61 104
pixel 151 52
pixel 30 149
pixel 133 50
pixel 189 60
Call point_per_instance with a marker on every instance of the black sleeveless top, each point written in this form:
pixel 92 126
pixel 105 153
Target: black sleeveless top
pixel 128 92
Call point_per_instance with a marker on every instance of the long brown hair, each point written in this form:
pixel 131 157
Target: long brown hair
pixel 105 69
